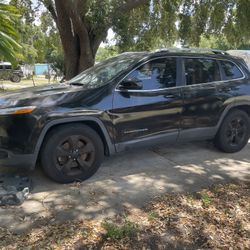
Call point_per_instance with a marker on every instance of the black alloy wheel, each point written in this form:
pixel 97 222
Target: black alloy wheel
pixel 72 153
pixel 234 132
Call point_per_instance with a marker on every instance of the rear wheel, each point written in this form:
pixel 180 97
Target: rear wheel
pixel 234 132
pixel 72 153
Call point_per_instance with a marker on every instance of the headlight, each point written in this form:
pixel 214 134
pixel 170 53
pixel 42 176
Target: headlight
pixel 17 110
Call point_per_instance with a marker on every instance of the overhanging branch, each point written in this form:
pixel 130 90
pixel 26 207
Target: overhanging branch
pixel 49 5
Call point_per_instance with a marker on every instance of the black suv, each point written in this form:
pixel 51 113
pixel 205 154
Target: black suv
pixel 132 100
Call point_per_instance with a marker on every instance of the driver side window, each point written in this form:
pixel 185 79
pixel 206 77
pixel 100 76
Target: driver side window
pixel 156 74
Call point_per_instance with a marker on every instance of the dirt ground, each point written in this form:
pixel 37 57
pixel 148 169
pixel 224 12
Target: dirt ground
pixel 126 181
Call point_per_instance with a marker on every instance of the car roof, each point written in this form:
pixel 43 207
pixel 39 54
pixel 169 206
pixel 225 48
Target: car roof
pixel 5 63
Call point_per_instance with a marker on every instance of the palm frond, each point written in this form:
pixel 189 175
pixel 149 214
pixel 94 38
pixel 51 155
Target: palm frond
pixel 8 35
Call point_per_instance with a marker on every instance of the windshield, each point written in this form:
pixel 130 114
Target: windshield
pixel 103 72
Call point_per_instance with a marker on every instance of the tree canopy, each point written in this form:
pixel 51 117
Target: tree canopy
pixel 82 25
pixel 144 24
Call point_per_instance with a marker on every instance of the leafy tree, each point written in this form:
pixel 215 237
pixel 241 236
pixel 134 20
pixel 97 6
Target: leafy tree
pixel 83 25
pixel 144 24
pixel 8 35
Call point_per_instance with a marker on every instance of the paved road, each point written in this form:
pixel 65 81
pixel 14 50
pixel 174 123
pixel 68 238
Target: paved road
pixel 127 180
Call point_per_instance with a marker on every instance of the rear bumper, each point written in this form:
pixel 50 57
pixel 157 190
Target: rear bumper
pixel 8 159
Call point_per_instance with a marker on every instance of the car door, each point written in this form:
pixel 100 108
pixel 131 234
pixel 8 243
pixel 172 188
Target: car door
pixel 150 114
pixel 201 102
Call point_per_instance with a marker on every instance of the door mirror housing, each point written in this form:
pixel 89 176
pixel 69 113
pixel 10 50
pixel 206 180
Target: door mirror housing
pixel 130 84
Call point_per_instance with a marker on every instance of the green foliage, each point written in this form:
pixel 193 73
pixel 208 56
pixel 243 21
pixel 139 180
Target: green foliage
pixel 148 27
pixel 215 42
pixel 206 201
pixel 154 24
pixel 104 53
pixel 8 35
pixel 228 20
pixel 117 232
pixel 38 39
pixel 56 60
pixel 153 216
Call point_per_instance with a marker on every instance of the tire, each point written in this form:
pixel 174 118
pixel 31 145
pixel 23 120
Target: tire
pixel 234 132
pixel 15 78
pixel 65 157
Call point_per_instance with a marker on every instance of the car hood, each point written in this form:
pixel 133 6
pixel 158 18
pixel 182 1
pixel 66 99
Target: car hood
pixel 51 95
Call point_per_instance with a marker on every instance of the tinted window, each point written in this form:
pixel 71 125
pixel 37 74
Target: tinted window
pixel 201 71
pixel 156 74
pixel 1 66
pixel 231 71
pixel 8 67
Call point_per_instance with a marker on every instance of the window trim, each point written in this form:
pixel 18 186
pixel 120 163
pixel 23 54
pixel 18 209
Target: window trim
pixel 181 67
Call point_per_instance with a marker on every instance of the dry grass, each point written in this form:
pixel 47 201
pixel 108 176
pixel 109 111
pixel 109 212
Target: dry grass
pixel 215 218
pixel 38 81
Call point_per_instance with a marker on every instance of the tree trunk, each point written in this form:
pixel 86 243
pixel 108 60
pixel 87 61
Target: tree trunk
pixel 79 48
pixel 80 41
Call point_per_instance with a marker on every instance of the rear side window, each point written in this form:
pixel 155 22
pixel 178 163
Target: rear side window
pixel 231 71
pixel 201 71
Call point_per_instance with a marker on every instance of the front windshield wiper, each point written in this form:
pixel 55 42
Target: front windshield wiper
pixel 75 83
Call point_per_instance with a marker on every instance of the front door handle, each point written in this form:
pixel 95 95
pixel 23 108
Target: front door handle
pixel 172 96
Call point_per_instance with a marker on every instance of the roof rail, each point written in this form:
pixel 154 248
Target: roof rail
pixel 192 50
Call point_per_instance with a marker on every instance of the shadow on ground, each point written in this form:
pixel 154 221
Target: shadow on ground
pixel 125 181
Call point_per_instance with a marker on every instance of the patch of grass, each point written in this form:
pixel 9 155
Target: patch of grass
pixel 191 199
pixel 153 216
pixel 117 232
pixel 206 201
pixel 216 189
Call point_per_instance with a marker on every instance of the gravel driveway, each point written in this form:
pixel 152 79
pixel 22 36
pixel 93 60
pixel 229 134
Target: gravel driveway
pixel 125 181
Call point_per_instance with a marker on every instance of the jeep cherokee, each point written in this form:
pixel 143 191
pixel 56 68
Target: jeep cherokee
pixel 131 100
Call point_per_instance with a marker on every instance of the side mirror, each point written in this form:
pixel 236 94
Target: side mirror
pixel 130 84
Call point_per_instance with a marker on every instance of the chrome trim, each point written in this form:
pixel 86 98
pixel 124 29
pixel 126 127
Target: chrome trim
pixel 176 87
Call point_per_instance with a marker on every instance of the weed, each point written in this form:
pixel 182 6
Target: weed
pixel 117 232
pixel 153 216
pixel 205 200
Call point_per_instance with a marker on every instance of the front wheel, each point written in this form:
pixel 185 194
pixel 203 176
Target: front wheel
pixel 72 153
pixel 234 132
pixel 15 78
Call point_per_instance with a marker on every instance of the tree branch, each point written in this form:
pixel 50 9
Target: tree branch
pixel 49 5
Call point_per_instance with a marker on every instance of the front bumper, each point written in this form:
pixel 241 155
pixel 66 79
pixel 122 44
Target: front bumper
pixel 9 159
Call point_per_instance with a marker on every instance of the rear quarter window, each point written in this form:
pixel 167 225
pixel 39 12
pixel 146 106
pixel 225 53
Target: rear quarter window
pixel 230 70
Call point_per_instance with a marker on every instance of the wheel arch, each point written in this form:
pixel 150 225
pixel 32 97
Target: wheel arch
pixel 244 106
pixel 92 122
